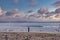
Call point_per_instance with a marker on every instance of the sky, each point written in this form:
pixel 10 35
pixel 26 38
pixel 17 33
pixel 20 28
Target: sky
pixel 30 10
pixel 25 5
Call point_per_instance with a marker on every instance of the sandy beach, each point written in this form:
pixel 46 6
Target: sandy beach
pixel 29 36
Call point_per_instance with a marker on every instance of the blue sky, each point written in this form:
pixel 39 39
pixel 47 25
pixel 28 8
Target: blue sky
pixel 23 6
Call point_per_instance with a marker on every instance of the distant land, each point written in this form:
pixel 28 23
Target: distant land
pixel 29 21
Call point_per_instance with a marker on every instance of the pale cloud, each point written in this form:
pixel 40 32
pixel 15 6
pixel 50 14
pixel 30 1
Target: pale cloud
pixel 55 18
pixel 32 3
pixel 52 9
pixel 57 3
pixel 42 10
pixel 57 10
pixel 1 11
pixel 30 11
pixel 15 1
pixel 12 12
pixel 14 15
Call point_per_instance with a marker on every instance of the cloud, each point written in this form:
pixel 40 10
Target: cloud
pixel 57 3
pixel 57 10
pixel 30 11
pixel 15 1
pixel 32 3
pixel 57 15
pixel 33 16
pixel 1 11
pixel 14 15
pixel 42 10
pixel 12 12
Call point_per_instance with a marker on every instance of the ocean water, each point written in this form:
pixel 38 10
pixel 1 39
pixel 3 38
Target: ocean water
pixel 34 27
